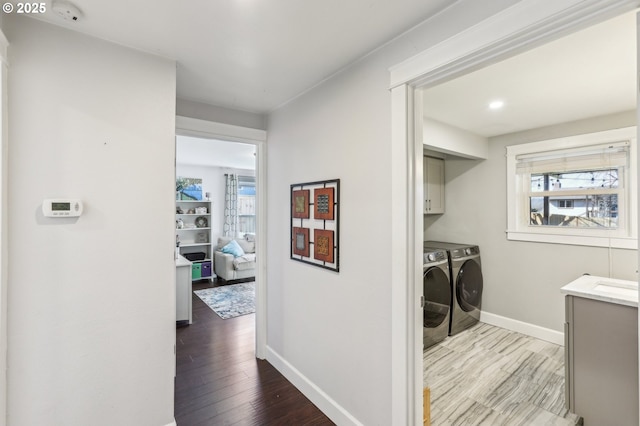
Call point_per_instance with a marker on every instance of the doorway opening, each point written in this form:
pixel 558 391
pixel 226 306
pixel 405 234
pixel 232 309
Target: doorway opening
pixel 462 115
pixel 467 52
pixel 252 142
pixel 223 175
pixel 250 223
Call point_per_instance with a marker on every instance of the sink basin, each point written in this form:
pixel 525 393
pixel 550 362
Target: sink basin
pixel 623 292
pixel 621 289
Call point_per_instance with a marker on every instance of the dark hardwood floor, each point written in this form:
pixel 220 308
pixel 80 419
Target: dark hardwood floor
pixel 220 382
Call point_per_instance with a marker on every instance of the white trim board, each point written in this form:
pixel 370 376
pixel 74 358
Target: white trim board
pixel 405 315
pixel 188 126
pixel 4 46
pixel 4 227
pixel 261 247
pixel 532 330
pixel 324 402
pixel 518 28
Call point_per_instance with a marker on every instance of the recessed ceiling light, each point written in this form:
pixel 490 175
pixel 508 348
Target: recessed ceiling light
pixel 496 104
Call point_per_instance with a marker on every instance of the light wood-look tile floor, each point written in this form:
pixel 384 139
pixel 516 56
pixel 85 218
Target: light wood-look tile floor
pixel 487 375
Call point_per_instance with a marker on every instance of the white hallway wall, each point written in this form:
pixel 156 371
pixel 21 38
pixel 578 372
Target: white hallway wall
pixel 522 280
pixel 335 329
pixel 91 301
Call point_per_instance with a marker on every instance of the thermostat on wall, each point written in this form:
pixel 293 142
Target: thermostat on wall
pixel 62 207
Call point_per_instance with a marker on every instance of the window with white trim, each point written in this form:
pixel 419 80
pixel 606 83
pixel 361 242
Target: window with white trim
pixel 576 190
pixel 564 204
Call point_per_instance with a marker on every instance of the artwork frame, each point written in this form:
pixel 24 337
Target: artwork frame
pixel 315 223
pixel 188 188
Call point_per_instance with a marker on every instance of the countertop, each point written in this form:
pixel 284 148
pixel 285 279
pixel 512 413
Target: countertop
pixel 181 261
pixel 622 292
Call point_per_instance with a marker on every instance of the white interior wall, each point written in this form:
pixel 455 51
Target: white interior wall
pixel 448 139
pixel 522 280
pixel 331 333
pixel 91 300
pixel 334 328
pixel 213 181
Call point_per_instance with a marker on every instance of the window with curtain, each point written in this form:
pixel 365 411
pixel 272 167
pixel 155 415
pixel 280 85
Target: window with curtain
pixel 246 205
pixel 577 190
pixel 230 226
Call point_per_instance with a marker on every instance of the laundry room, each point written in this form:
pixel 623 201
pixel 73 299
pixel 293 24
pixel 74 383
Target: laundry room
pixel 529 173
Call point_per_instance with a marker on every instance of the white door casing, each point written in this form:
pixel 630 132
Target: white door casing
pixel 4 247
pixel 187 126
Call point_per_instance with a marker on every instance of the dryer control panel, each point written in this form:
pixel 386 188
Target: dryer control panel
pixel 434 256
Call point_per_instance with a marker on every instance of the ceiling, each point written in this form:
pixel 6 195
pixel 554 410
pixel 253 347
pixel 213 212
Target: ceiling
pixel 250 55
pixel 215 153
pixel 254 55
pixel 586 74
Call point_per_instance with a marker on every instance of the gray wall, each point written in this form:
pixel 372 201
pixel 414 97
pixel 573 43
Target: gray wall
pixel 91 309
pixel 335 329
pixel 522 279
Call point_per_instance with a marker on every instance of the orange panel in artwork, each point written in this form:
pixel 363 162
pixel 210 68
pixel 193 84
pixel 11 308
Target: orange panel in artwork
pixel 323 245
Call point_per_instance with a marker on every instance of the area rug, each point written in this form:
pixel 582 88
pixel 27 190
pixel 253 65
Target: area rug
pixel 230 301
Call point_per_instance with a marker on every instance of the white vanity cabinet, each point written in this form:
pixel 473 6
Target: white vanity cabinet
pixel 433 185
pixel 601 354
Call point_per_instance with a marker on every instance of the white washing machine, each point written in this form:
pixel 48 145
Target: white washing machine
pixel 466 283
pixel 436 285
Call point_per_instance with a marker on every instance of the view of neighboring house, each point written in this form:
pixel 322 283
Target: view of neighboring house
pixel 554 200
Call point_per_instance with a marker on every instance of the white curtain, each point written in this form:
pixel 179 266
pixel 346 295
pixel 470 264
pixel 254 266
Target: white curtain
pixel 231 205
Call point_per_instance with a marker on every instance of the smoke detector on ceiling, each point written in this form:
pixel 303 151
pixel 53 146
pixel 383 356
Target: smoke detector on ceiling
pixel 66 10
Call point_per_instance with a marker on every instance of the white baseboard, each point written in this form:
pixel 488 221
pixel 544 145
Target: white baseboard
pixel 536 331
pixel 173 423
pixel 328 406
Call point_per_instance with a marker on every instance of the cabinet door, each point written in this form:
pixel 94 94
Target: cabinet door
pixel 183 293
pixel 433 185
pixel 568 355
pixel 604 356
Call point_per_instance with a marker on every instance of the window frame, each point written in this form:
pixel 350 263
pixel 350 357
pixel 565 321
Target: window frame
pixel 565 203
pixel 518 209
